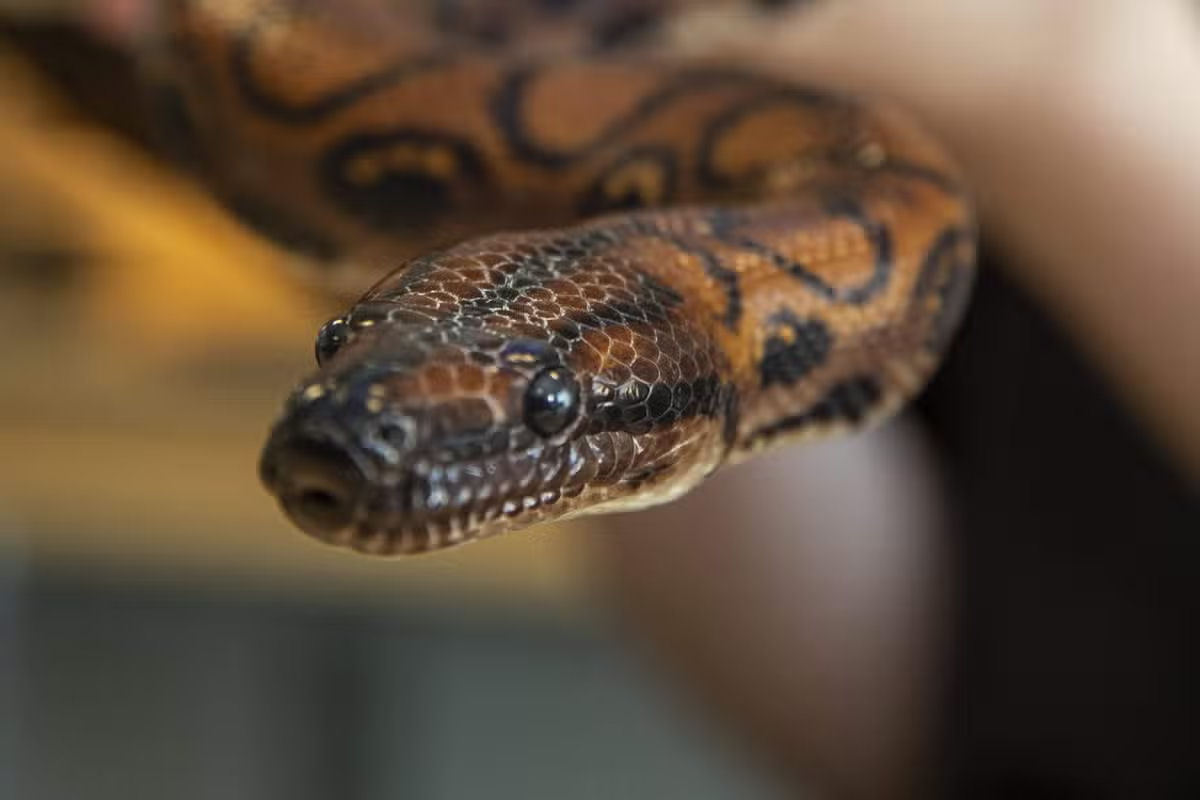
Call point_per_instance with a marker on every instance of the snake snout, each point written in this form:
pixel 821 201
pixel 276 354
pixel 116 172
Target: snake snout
pixel 318 483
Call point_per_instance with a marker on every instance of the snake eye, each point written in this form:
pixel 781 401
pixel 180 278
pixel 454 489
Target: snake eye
pixel 332 336
pixel 552 401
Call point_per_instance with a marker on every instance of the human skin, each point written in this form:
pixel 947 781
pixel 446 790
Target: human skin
pixel 800 596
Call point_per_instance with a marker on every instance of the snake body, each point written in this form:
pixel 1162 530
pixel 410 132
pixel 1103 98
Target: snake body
pixel 758 262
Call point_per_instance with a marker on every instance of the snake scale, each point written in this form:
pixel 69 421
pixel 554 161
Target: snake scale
pixel 706 262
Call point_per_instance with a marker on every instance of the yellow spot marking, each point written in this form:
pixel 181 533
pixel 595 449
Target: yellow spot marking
pixel 441 163
pixel 787 177
pixel 313 392
pixel 746 262
pixel 365 170
pixel 872 155
pixel 438 162
pixel 787 333
pixel 520 358
pixel 644 180
pixel 422 159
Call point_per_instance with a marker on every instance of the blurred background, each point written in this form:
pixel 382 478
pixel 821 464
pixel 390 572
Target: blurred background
pixel 165 633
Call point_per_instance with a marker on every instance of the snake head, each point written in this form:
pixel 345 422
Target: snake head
pixel 424 429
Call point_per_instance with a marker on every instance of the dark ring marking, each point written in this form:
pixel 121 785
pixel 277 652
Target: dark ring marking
pixel 633 25
pixel 804 99
pixel 601 315
pixel 638 408
pixel 911 171
pixel 597 199
pixel 849 401
pixel 398 200
pixel 447 17
pixel 727 278
pixel 652 305
pixel 556 259
pixel 508 107
pixel 175 130
pixel 946 275
pixel 267 218
pixel 794 348
pixel 719 127
pixel 263 102
pixel 733 419
pixel 724 227
pixel 730 282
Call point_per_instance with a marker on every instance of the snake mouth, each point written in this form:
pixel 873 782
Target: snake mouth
pixel 335 492
pixel 438 505
pixel 319 483
pixel 329 491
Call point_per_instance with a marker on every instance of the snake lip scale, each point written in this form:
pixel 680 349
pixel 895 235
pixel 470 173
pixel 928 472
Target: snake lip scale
pixel 700 263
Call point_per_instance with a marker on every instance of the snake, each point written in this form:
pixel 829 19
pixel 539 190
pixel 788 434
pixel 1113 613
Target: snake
pixel 613 271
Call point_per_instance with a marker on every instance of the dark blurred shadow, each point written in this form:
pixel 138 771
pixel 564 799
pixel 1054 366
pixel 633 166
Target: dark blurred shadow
pixel 1077 567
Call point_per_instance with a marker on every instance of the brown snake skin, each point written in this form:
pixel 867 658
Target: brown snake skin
pixel 809 259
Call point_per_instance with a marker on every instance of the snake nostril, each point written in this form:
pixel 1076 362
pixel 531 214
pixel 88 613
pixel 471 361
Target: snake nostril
pixel 318 484
pixel 394 435
pixel 320 509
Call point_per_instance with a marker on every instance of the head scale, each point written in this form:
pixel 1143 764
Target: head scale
pixel 482 391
